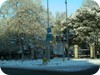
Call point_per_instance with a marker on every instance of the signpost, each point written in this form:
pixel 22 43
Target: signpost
pixel 67 30
pixel 49 37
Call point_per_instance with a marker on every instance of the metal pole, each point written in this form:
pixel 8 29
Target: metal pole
pixel 48 12
pixel 48 27
pixel 67 30
pixel 22 44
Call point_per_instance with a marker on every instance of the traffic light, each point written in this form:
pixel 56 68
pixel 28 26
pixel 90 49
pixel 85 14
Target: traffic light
pixel 57 38
pixel 60 38
pixel 71 35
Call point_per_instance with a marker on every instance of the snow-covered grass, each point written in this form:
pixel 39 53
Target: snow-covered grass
pixel 54 64
pixel 94 61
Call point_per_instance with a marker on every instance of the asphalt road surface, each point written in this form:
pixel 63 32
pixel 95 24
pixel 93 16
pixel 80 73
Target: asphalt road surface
pixel 62 71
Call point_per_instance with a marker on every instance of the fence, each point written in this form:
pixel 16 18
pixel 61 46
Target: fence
pixel 84 53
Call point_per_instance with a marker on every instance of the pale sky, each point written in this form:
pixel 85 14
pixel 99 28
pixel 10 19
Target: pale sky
pixel 59 5
pixel 1 1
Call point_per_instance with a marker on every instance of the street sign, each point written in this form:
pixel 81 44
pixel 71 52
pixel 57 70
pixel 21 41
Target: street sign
pixel 49 30
pixel 49 37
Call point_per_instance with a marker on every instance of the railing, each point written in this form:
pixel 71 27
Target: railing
pixel 84 53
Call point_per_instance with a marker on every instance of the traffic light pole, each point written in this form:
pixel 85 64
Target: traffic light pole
pixel 67 30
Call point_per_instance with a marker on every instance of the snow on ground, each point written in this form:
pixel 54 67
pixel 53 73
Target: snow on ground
pixel 54 64
pixel 94 61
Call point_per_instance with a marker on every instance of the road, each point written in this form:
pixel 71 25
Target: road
pixel 61 71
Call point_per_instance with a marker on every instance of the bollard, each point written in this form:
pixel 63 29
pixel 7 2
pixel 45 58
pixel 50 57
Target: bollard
pixel 45 60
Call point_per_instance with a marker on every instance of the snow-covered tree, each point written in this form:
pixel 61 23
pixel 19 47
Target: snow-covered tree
pixel 22 18
pixel 89 3
pixel 85 22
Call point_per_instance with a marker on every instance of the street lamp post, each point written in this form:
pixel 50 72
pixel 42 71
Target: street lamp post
pixel 67 30
pixel 22 44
